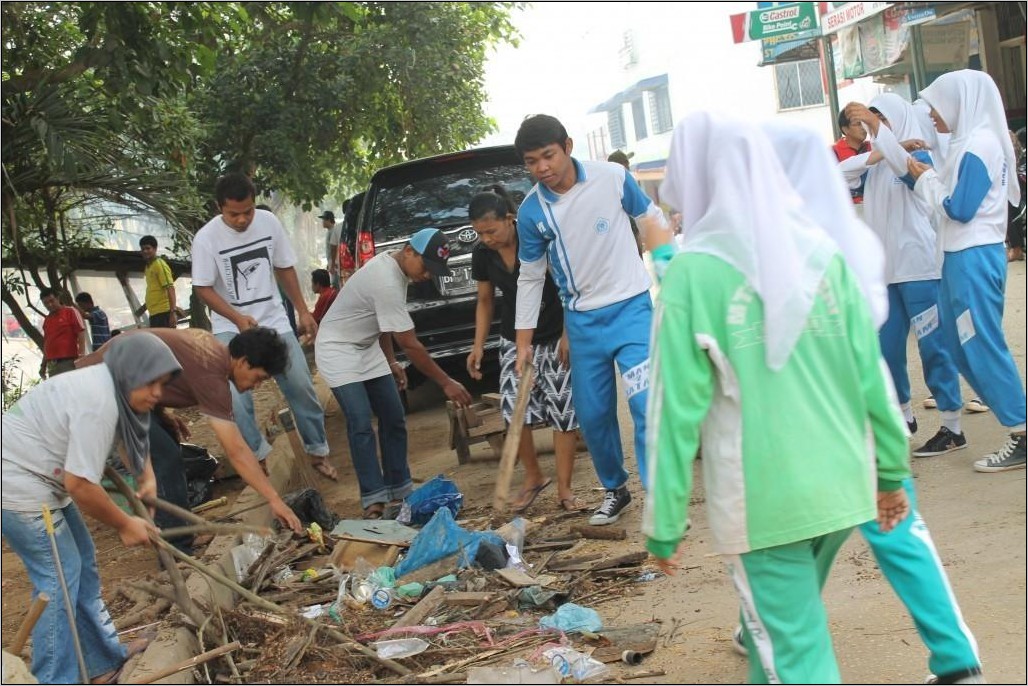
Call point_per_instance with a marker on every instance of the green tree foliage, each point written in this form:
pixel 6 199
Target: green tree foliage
pixel 322 94
pixel 144 104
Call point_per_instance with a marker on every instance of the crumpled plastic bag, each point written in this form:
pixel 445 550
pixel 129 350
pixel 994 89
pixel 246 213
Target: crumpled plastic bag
pixel 440 538
pixel 419 507
pixel 309 506
pixel 570 617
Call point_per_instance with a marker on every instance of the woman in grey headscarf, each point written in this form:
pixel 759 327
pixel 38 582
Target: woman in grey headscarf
pixel 54 445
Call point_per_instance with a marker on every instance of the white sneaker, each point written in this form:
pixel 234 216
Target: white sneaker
pixel 975 405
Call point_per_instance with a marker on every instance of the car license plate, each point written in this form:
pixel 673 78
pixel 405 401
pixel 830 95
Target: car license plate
pixel 458 283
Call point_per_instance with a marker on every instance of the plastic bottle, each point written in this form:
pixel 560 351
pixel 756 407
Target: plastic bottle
pixel 382 597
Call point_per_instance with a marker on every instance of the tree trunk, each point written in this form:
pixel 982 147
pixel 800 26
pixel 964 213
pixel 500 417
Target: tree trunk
pixel 35 334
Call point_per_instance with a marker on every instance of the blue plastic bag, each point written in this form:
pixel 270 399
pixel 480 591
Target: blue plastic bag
pixel 440 538
pixel 420 505
pixel 570 618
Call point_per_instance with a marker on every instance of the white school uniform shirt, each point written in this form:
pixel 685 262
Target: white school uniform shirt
pixel 891 208
pixel 66 424
pixel 241 269
pixel 585 237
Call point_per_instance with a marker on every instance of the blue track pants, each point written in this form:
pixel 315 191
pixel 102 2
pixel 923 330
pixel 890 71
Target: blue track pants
pixel 599 339
pixel 971 317
pixel 916 304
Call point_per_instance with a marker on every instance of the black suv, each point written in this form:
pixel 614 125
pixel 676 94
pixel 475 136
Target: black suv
pixel 435 191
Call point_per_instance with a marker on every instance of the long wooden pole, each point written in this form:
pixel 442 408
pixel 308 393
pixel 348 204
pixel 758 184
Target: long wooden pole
pixel 69 606
pixel 178 583
pixel 509 455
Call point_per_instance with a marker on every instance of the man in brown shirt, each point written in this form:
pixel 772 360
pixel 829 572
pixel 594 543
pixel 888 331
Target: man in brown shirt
pixel 208 366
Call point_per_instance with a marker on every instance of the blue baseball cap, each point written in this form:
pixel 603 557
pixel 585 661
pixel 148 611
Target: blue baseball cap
pixel 434 249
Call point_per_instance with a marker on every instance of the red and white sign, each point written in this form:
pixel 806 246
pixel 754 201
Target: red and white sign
pixel 849 14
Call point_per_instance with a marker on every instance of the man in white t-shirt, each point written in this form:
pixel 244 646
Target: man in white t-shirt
pixel 354 352
pixel 237 258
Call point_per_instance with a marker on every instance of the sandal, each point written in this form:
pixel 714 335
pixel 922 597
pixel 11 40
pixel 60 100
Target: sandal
pixel 573 504
pixel 374 511
pixel 531 494
pixel 325 468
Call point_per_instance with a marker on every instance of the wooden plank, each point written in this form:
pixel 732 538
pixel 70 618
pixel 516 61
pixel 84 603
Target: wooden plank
pixel 605 533
pixel 420 612
pixel 493 399
pixel 469 598
pixel 471 417
pixel 487 428
pixel 510 445
pixel 346 553
pixel 300 460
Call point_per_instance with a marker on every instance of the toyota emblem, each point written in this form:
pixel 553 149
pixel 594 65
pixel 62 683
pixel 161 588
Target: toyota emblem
pixel 467 236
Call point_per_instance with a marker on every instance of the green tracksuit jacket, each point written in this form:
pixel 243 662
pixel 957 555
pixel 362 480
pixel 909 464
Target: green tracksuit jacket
pixel 787 455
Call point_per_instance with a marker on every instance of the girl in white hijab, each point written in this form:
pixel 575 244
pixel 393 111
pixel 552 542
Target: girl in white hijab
pixel 912 262
pixel 764 342
pixel 969 195
pixel 907 555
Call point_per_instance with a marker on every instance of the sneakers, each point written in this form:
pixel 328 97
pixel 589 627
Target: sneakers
pixel 966 676
pixel 737 643
pixel 975 405
pixel 1010 456
pixel 614 502
pixel 941 443
pixel 912 426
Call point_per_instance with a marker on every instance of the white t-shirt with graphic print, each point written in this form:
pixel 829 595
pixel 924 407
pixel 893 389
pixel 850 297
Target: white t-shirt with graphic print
pixel 240 266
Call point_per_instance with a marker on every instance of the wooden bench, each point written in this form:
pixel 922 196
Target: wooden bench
pixel 477 423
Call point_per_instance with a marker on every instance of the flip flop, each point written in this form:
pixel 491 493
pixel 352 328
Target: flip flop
pixel 573 504
pixel 325 468
pixel 531 493
pixel 373 511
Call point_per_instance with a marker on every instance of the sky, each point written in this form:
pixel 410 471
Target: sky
pixel 567 58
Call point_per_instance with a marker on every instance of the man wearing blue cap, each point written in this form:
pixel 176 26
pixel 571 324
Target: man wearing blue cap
pixel 354 353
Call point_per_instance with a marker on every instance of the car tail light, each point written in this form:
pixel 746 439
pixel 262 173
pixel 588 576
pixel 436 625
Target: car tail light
pixel 365 247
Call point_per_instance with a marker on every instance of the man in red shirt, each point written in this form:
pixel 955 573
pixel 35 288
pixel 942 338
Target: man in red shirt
pixel 64 335
pixel 853 142
pixel 321 284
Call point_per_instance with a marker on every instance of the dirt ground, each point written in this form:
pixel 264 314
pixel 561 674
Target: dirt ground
pixel 977 521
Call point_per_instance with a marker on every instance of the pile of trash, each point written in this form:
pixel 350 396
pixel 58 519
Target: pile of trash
pixel 436 596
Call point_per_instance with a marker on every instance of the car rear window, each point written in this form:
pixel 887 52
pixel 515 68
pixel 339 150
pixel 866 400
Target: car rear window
pixel 439 200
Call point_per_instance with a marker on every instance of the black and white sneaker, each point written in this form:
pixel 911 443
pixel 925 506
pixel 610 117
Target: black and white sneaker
pixel 614 501
pixel 1010 456
pixel 912 426
pixel 941 443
